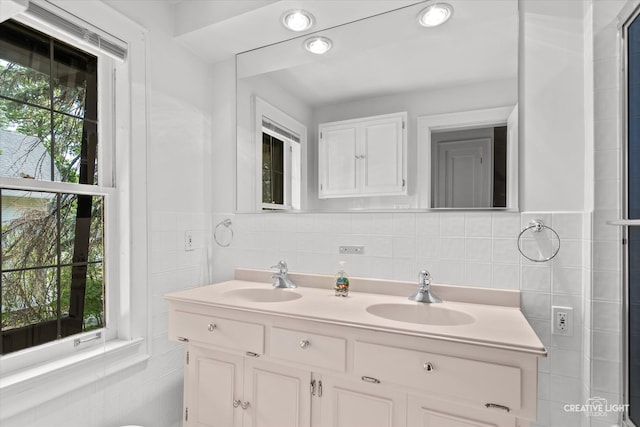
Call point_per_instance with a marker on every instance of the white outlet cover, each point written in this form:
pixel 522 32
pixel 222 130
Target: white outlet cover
pixel 558 313
pixel 189 241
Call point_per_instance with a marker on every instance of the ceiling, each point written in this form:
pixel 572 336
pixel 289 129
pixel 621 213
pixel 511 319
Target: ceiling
pixel 216 30
pixel 385 54
pixel 390 53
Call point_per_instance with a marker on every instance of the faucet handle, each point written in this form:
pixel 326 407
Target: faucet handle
pixel 282 267
pixel 424 279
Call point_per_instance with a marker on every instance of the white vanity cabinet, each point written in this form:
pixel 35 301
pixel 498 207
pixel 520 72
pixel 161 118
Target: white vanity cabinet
pixel 427 411
pixel 223 389
pixel 270 365
pixel 363 157
pixel 353 402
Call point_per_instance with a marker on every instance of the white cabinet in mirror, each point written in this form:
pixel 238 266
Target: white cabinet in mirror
pixel 363 157
pixel 379 66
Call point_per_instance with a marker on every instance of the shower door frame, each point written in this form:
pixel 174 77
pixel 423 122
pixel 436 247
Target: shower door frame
pixel 626 18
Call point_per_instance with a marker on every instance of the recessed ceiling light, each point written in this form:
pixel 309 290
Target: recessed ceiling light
pixel 297 20
pixel 318 45
pixel 435 14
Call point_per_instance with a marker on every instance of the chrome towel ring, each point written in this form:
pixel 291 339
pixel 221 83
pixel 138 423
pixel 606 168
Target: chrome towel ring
pixel 227 226
pixel 537 226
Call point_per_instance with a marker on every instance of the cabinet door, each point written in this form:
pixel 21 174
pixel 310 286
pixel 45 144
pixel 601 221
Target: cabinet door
pixel 337 160
pixel 278 396
pixel 381 156
pixel 214 381
pixel 427 412
pixel 348 403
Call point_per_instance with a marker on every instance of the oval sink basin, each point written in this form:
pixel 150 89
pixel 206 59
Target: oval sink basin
pixel 263 295
pixel 424 314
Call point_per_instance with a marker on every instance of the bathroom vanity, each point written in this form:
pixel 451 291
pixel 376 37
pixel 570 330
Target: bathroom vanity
pixel 259 356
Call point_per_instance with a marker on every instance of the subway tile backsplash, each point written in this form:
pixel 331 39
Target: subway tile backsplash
pixel 460 248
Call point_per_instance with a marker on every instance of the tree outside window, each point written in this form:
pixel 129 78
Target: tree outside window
pixel 51 282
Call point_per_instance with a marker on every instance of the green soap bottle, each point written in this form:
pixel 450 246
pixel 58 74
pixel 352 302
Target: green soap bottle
pixel 342 281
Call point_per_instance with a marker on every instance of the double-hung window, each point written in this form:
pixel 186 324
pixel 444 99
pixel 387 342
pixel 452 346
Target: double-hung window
pixel 52 281
pixel 73 285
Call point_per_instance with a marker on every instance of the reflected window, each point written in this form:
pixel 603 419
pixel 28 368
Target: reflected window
pixel 280 167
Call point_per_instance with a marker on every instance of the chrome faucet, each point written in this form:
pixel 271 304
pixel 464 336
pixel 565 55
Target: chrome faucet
pixel 281 278
pixel 424 291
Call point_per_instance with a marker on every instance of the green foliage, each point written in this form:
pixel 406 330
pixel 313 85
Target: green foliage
pixel 33 116
pixel 45 223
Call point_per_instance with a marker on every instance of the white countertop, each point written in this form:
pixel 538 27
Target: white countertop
pixel 493 326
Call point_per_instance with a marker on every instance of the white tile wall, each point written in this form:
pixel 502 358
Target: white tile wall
pixel 470 249
pixel 602 373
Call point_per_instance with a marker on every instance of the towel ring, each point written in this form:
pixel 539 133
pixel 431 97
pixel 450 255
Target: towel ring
pixel 537 226
pixel 227 224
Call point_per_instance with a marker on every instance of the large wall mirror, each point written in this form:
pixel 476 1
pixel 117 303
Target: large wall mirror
pixel 394 116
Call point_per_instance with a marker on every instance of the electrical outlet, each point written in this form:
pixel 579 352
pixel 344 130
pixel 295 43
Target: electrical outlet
pixel 562 320
pixel 189 242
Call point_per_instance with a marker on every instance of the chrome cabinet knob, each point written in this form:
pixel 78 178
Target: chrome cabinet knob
pixel 428 367
pixel 304 344
pixel 211 327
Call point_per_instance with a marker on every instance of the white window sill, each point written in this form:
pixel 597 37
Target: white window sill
pixel 30 387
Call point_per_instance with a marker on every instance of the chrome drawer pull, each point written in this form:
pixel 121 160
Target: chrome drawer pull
pixel 428 367
pixel 211 327
pixel 371 380
pixel 304 344
pixel 244 405
pixel 496 406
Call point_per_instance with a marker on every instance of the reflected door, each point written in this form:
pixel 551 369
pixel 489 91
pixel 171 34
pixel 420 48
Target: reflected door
pixel 464 169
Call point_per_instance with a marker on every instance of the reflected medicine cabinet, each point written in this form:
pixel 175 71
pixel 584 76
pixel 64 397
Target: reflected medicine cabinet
pixel 363 157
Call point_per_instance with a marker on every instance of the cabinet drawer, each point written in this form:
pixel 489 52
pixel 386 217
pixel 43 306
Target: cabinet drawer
pixel 309 349
pixel 220 332
pixel 453 378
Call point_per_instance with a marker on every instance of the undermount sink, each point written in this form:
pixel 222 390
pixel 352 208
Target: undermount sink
pixel 263 295
pixel 421 313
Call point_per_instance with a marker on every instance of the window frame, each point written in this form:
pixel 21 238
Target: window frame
pixel 261 110
pixel 52 369
pixel 287 161
pixel 106 72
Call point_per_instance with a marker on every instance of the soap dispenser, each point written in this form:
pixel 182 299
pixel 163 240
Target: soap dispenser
pixel 342 281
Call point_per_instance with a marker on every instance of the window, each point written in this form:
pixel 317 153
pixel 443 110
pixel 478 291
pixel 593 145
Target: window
pixel 85 33
pixel 280 167
pixel 52 281
pixel 279 144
